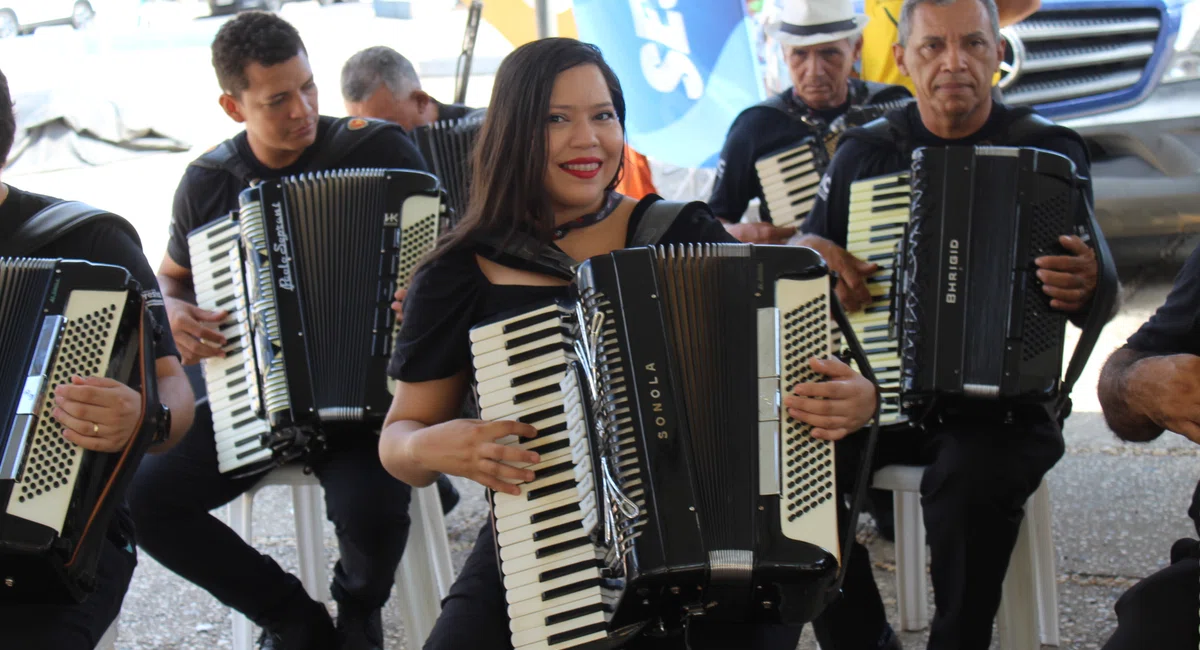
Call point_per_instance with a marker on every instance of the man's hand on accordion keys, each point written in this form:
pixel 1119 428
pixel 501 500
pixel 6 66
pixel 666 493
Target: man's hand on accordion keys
pixel 1069 280
pixel 476 450
pixel 193 336
pixel 99 414
pixel 852 289
pixel 837 407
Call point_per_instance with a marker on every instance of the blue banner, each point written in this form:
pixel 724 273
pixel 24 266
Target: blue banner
pixel 687 67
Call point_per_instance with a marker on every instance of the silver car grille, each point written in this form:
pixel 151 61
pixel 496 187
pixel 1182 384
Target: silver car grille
pixel 1059 55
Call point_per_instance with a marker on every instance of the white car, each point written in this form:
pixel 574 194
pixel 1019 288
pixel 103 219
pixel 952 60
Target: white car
pixel 23 16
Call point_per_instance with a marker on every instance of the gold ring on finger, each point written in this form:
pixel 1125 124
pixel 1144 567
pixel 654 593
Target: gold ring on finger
pixel 95 428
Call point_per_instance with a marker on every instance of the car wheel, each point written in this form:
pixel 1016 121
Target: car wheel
pixel 8 24
pixel 326 3
pixel 82 15
pixel 273 5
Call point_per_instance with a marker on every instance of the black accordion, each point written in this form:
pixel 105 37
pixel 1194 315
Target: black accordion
pixel 448 146
pixel 307 269
pixel 964 226
pixel 63 319
pixel 790 177
pixel 670 485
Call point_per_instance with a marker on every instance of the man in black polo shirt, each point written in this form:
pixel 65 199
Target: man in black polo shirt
pixel 822 40
pixel 985 458
pixel 381 83
pixel 267 84
pixel 1150 385
pixel 96 416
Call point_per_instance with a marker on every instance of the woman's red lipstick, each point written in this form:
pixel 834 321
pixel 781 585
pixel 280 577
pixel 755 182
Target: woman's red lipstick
pixel 582 167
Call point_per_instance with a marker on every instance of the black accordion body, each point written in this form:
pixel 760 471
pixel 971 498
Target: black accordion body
pixel 972 316
pixel 307 269
pixel 447 146
pixel 968 316
pixel 63 319
pixel 671 484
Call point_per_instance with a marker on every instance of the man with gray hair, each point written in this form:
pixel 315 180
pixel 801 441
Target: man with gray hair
pixel 985 457
pixel 380 83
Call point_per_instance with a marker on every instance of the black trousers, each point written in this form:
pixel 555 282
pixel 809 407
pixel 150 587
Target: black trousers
pixel 982 470
pixel 474 615
pixel 73 627
pixel 173 493
pixel 1162 611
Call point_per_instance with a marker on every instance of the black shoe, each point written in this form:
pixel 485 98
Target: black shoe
pixel 358 630
pixel 313 631
pixel 447 493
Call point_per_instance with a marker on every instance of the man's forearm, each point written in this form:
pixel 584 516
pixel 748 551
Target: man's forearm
pixel 1124 418
pixel 176 288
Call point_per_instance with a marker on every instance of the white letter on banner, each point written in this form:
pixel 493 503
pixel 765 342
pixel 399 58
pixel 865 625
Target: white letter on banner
pixel 648 25
pixel 664 73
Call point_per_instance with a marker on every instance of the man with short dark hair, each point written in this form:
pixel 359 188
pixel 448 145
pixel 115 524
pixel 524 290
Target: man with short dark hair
pixel 985 458
pixel 97 414
pixel 379 82
pixel 267 84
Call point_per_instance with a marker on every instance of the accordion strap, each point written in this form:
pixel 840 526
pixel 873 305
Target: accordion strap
pixel 522 251
pixel 56 220
pixel 1104 304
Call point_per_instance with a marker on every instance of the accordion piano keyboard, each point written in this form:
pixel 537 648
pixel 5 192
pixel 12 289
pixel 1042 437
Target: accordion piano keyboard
pixel 232 381
pixel 789 180
pixel 878 215
pixel 557 597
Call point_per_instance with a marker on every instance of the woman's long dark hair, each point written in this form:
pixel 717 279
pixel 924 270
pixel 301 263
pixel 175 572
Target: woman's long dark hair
pixel 508 188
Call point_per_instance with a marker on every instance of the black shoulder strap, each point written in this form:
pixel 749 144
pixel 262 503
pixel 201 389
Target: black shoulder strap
pixel 889 130
pixel 1028 129
pixel 55 221
pixel 522 251
pixel 342 138
pixel 224 157
pixel 658 219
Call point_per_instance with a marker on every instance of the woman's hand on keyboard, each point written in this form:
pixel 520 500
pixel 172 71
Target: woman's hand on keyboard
pixel 836 407
pixel 476 450
pixel 99 414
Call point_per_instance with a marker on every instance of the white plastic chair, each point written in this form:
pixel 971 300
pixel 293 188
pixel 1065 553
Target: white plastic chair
pixel 1028 616
pixel 422 580
pixel 109 640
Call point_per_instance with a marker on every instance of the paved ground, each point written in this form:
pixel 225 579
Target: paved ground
pixel 1117 507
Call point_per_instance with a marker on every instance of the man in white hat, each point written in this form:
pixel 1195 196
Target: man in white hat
pixel 822 41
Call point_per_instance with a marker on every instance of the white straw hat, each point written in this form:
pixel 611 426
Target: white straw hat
pixel 809 22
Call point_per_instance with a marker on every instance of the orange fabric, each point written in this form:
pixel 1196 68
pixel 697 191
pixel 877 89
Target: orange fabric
pixel 636 182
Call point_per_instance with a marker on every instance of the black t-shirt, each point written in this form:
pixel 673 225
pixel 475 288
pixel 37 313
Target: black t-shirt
pixel 761 130
pixel 102 243
pixel 450 295
pixel 857 159
pixel 205 195
pixel 1175 327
